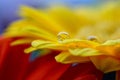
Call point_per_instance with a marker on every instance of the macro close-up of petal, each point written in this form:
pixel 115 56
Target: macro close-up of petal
pixel 62 41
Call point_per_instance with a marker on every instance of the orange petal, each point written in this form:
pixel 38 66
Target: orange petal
pixel 106 63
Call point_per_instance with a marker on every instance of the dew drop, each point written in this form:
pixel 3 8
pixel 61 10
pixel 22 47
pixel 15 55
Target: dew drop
pixel 92 38
pixel 62 36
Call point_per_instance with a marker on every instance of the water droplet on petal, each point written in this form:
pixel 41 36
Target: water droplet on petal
pixel 92 38
pixel 62 36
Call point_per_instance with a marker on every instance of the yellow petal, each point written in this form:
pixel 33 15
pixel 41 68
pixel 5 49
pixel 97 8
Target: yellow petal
pixel 37 43
pixel 112 42
pixel 21 41
pixel 66 57
pixel 27 29
pixel 66 18
pixel 77 43
pixel 28 25
pixel 84 52
pixel 40 17
pixel 111 11
pixel 42 51
pixel 40 44
pixel 30 49
pixel 110 47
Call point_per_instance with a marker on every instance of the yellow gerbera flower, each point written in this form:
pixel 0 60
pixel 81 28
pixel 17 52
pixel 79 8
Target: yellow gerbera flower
pixel 80 35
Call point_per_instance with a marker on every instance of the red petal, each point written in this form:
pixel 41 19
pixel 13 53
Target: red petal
pixel 46 68
pixel 4 46
pixel 87 77
pixel 118 75
pixel 81 70
pixel 13 61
